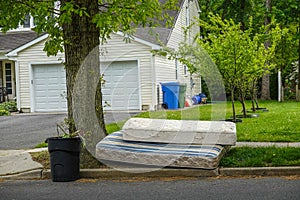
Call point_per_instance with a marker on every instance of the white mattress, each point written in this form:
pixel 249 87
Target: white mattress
pixel 180 131
pixel 114 148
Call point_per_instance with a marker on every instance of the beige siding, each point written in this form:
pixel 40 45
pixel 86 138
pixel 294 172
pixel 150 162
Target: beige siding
pixel 33 54
pixel 189 11
pixel 194 17
pixel 189 8
pixel 165 72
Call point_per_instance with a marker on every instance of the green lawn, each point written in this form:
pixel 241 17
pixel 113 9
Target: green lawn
pixel 279 124
pixel 261 157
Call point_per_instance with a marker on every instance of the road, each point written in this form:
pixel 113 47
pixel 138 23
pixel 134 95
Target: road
pixel 23 131
pixel 202 188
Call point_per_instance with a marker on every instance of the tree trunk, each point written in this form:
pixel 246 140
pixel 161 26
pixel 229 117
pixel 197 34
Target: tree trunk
pixel 298 97
pixel 265 88
pixel 81 38
pixel 232 104
pixel 243 105
pixel 241 14
pixel 253 95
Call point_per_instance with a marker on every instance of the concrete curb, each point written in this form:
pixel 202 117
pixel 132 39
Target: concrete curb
pixel 267 144
pixel 162 173
pixel 142 172
pixel 29 175
pixel 260 171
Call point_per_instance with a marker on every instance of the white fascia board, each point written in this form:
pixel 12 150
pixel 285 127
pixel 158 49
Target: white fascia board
pixel 29 44
pixel 153 46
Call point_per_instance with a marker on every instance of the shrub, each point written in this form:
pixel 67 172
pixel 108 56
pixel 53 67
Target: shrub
pixel 9 106
pixel 3 112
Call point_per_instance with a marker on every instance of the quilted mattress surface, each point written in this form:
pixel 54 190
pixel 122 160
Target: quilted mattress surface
pixel 114 148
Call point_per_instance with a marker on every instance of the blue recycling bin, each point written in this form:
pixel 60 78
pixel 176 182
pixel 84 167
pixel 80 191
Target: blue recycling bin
pixel 197 99
pixel 170 94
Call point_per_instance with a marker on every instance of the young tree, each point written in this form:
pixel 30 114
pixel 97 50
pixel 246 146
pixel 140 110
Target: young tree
pixel 239 55
pixel 76 27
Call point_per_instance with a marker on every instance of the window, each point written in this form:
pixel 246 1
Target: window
pixel 185 70
pixel 26 21
pixel 8 78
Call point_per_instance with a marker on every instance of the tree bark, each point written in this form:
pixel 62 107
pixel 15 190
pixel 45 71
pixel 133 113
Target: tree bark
pixel 81 36
pixel 241 14
pixel 265 89
pixel 298 97
pixel 232 105
pixel 242 100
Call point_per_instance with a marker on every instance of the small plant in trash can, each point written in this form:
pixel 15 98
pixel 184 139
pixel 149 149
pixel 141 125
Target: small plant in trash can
pixel 63 127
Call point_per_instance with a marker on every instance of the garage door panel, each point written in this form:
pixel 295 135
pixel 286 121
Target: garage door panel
pixel 120 90
pixel 121 81
pixel 131 85
pixel 49 88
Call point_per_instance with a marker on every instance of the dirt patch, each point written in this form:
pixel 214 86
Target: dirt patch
pixel 87 161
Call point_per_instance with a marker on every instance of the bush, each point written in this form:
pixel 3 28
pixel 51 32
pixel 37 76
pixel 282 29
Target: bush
pixel 3 112
pixel 9 106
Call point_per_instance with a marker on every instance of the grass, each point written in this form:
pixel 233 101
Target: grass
pixel 110 128
pixel 42 157
pixel 236 157
pixel 279 124
pixel 261 157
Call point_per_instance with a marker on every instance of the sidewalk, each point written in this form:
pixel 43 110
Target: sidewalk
pixel 18 161
pixel 267 144
pixel 18 164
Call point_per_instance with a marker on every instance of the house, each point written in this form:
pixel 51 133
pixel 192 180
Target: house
pixel 132 72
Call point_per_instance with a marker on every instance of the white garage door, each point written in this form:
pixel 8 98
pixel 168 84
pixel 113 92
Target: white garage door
pixel 49 88
pixel 121 89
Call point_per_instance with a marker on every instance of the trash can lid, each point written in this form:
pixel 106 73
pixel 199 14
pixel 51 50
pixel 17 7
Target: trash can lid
pixel 169 83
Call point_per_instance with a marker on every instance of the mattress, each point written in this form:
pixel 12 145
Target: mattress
pixel 180 131
pixel 114 148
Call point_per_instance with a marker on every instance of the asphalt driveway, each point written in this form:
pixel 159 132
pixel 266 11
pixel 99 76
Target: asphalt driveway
pixel 23 131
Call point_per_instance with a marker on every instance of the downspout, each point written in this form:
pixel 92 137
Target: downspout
pixel 154 93
pixel 17 74
pixel 17 86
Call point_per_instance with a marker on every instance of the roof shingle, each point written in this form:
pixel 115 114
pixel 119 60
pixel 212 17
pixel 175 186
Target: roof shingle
pixel 12 40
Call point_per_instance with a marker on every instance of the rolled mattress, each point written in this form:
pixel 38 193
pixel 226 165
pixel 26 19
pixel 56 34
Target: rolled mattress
pixel 114 148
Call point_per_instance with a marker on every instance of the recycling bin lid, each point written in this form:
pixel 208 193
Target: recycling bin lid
pixel 169 83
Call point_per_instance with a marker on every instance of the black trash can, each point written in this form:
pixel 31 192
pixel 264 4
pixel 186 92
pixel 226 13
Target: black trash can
pixel 64 158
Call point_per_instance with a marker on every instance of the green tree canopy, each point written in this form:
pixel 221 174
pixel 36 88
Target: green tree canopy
pixel 76 27
pixel 239 55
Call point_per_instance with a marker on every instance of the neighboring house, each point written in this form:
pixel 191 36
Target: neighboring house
pixel 132 73
pixel 9 42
